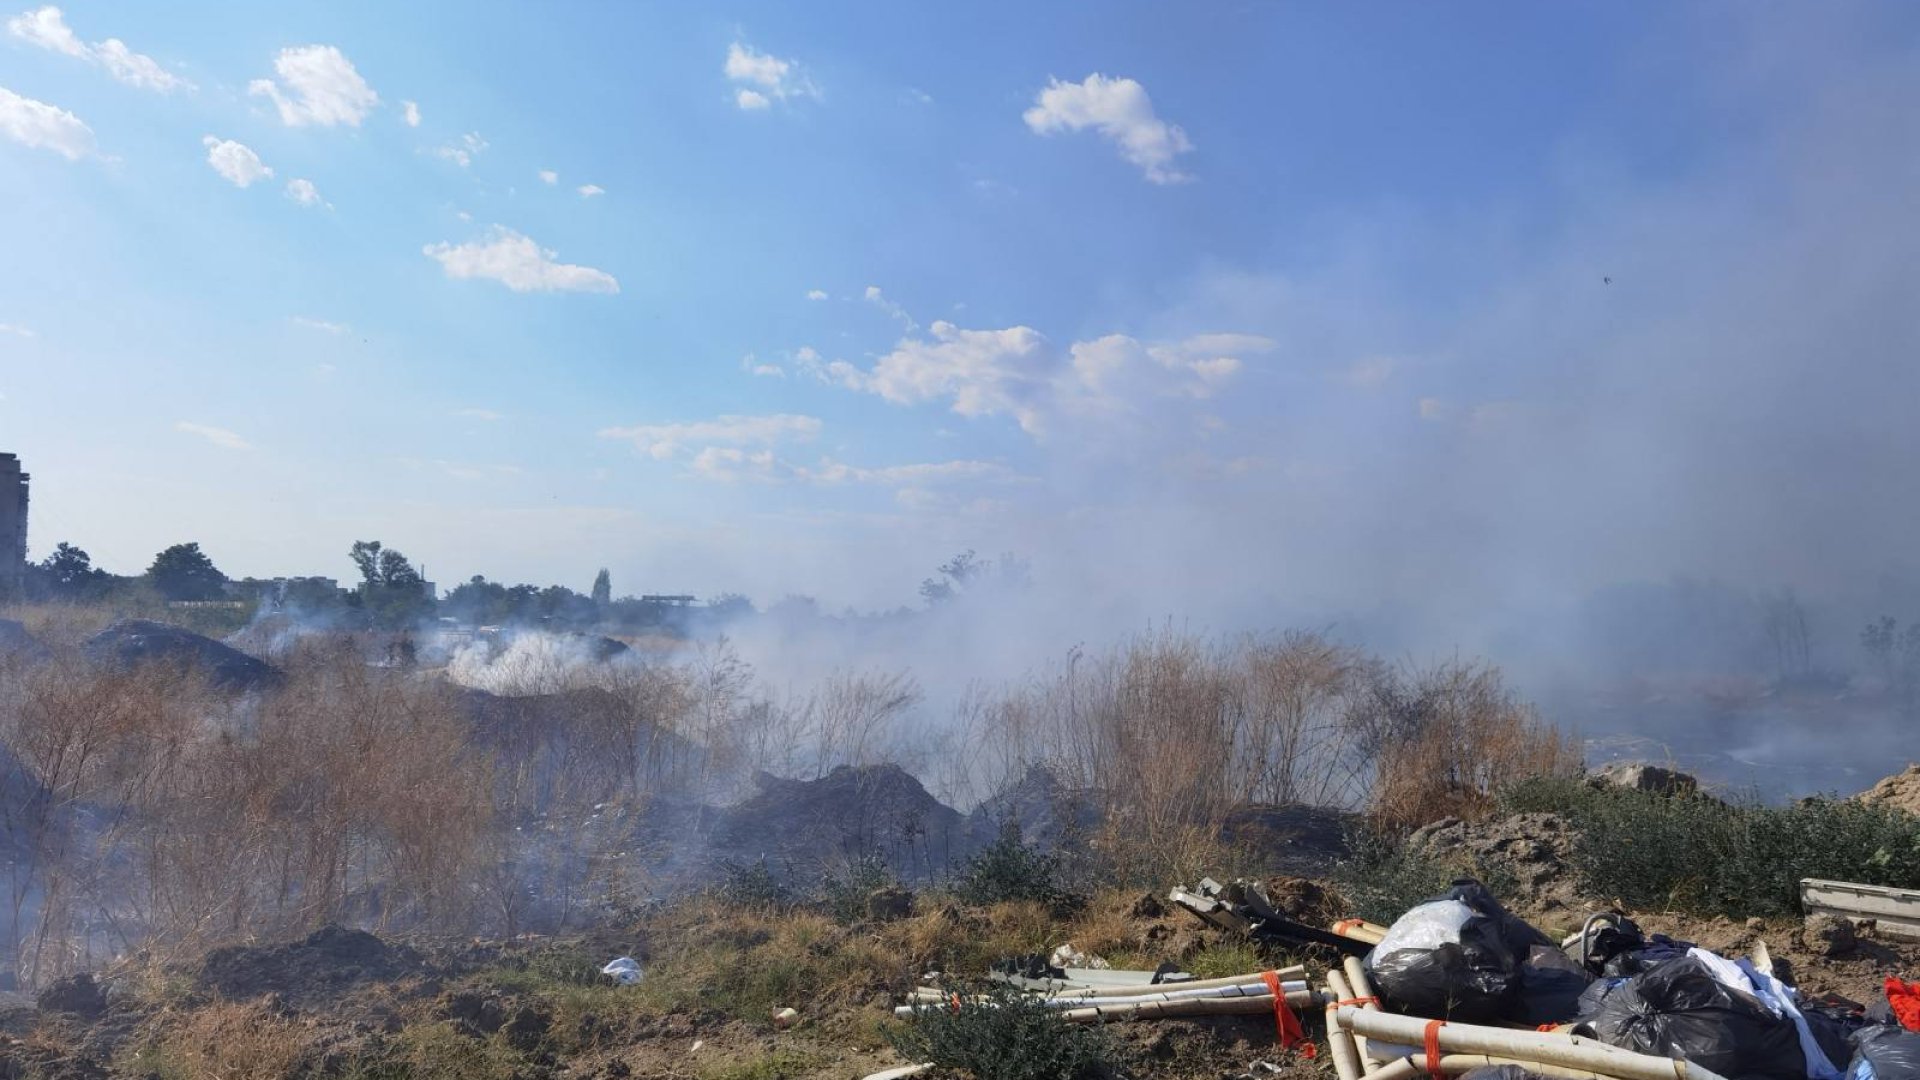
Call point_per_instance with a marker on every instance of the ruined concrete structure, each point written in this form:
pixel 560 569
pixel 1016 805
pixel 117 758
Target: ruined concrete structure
pixel 13 525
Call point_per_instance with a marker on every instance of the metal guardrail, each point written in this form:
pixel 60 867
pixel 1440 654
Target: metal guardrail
pixel 1894 911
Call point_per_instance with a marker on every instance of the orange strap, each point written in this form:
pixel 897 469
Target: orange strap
pixel 1548 1027
pixel 1433 1045
pixel 1373 1001
pixel 1291 1035
pixel 956 1002
pixel 1345 925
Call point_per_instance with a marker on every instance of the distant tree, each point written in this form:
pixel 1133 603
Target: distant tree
pixel 602 589
pixel 967 572
pixel 1785 619
pixel 184 572
pixel 728 606
pixel 69 572
pixel 391 590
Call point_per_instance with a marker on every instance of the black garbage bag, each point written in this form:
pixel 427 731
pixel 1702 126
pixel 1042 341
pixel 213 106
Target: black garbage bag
pixel 1835 1022
pixel 1885 1052
pixel 1618 949
pixel 1459 958
pixel 1680 1010
pixel 1551 983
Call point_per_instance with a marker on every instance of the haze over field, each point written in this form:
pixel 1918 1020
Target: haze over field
pixel 1562 335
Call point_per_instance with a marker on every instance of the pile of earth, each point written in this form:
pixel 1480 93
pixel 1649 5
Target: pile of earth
pixel 1046 812
pixel 852 812
pixel 323 965
pixel 134 643
pixel 1900 791
pixel 16 643
pixel 1528 857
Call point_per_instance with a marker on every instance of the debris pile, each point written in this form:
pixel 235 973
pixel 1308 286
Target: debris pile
pixel 133 643
pixel 1901 791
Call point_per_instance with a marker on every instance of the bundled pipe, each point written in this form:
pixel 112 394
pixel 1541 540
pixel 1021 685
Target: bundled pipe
pixel 1359 989
pixel 1294 974
pixel 1360 930
pixel 1525 1047
pixel 1217 993
pixel 1243 1006
pixel 1409 1068
pixel 1340 1041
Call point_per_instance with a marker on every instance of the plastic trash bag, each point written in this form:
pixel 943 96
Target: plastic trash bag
pixel 1458 958
pixel 1551 984
pixel 625 970
pixel 1680 1010
pixel 1885 1052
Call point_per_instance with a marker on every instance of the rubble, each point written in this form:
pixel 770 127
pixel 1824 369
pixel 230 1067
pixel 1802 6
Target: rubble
pixel 1900 791
pixel 1828 934
pixel 807 825
pixel 1653 779
pixel 327 961
pixel 78 994
pixel 138 642
pixel 1534 851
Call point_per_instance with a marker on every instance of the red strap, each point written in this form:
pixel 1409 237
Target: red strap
pixel 1374 1001
pixel 1433 1045
pixel 1291 1034
pixel 1548 1027
pixel 956 1002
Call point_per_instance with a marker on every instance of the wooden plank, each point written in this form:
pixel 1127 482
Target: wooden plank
pixel 1894 911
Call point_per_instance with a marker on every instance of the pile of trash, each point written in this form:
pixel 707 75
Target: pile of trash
pixel 1459 985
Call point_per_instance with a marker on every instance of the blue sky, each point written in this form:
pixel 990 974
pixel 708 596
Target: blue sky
pixel 802 298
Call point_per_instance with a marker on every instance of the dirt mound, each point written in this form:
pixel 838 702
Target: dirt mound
pixel 810 825
pixel 1528 856
pixel 330 960
pixel 17 643
pixel 1901 791
pixel 137 642
pixel 1295 840
pixel 1047 812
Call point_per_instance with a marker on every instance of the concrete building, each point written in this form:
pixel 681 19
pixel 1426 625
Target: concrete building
pixel 13 525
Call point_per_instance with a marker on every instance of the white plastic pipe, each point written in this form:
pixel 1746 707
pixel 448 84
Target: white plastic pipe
pixel 1346 1058
pixel 1567 1051
pixel 901 1073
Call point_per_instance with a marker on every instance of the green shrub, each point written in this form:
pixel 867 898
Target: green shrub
pixel 1383 877
pixel 1009 1036
pixel 754 885
pixel 1010 870
pixel 844 891
pixel 1701 855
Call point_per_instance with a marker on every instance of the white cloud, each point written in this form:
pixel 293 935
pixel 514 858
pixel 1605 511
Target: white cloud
pixel 879 299
pixel 1119 110
pixel 588 191
pixel 220 437
pixel 43 126
pixel 47 28
pixel 318 85
pixel 463 152
pixel 515 261
pixel 752 366
pixel 1016 372
pixel 303 192
pixel 816 294
pixel 235 161
pixel 15 329
pixel 548 176
pixel 410 112
pixel 321 325
pixel 486 415
pixel 730 464
pixel 766 78
pixel 1369 373
pixel 982 371
pixel 664 441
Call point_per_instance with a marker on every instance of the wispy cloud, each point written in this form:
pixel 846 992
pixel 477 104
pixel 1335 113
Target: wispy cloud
pixel 318 85
pixel 321 325
pixel 462 151
pixel 46 28
pixel 220 437
pixel 16 330
pixel 816 294
pixel 514 260
pixel 1121 112
pixel 303 192
pixel 410 112
pixel 663 441
pixel 588 191
pixel 548 176
pixel 879 299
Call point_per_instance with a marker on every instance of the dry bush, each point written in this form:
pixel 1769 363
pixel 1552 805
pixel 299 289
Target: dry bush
pixel 1448 738
pixel 229 1042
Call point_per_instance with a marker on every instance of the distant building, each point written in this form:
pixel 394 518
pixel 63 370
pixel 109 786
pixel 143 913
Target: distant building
pixel 13 525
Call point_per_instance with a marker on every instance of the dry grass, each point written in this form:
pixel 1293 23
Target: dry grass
pixel 227 1042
